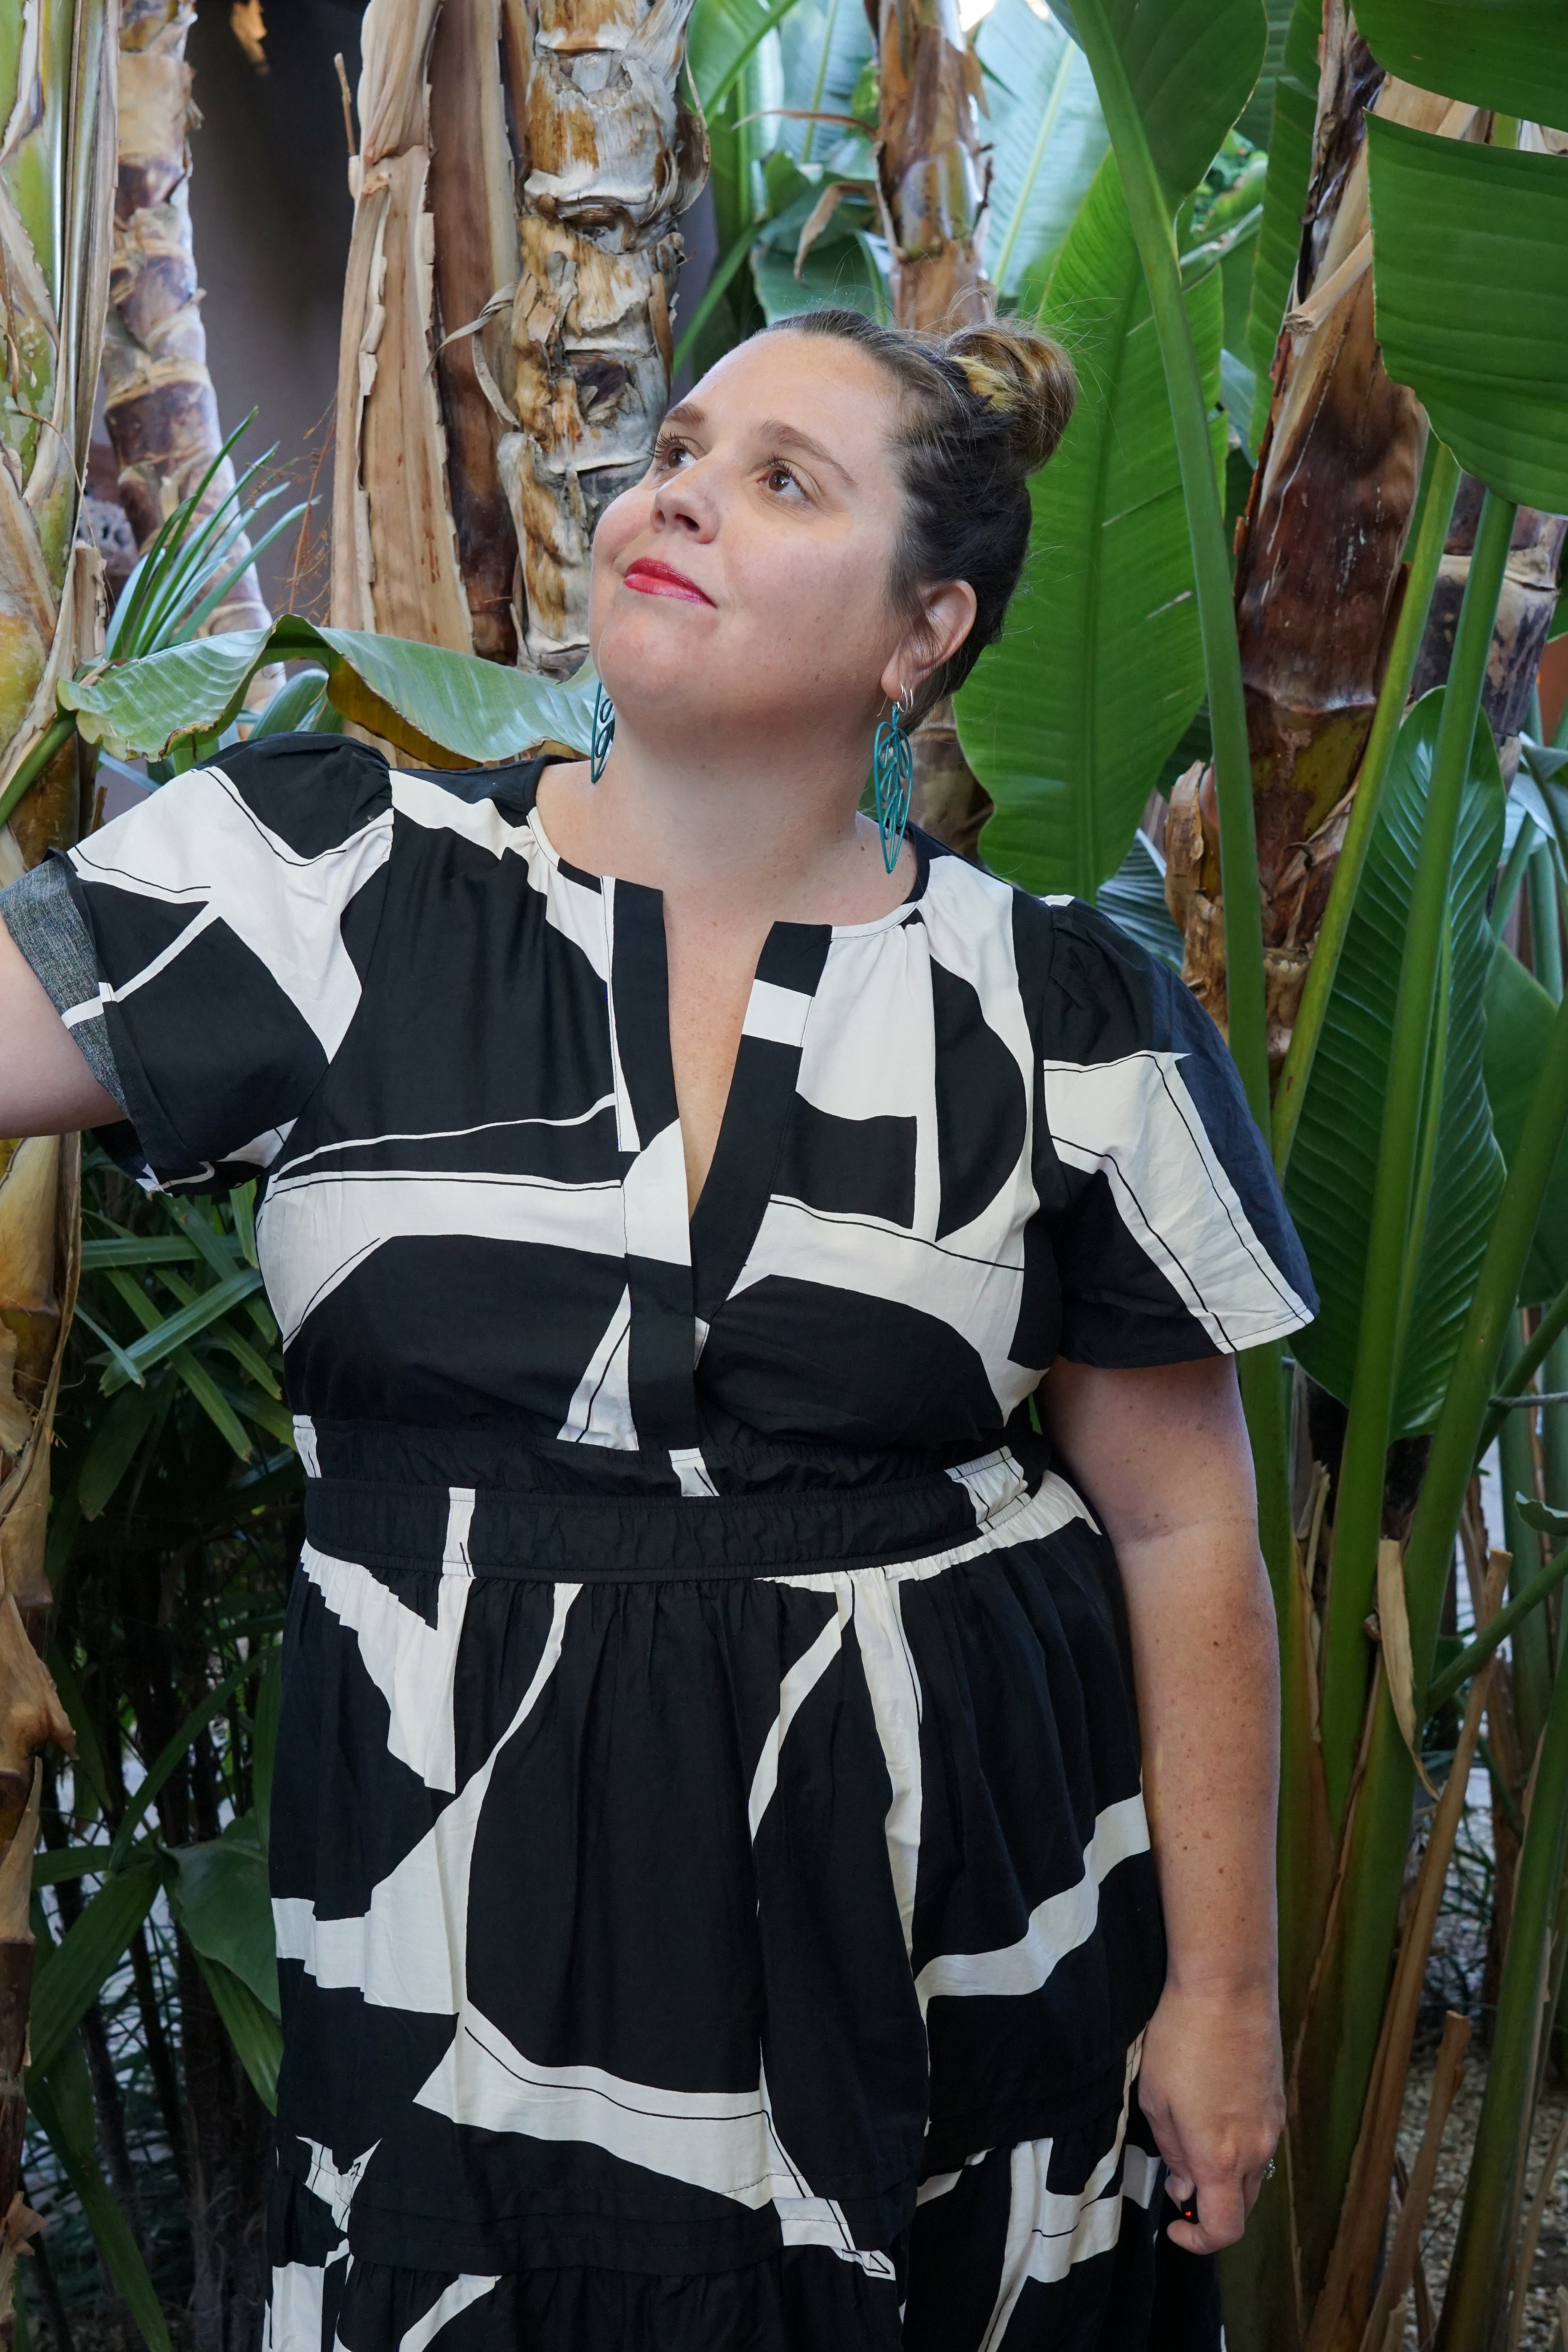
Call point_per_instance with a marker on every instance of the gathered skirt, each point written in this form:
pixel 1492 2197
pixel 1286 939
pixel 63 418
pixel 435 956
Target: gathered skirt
pixel 707 1923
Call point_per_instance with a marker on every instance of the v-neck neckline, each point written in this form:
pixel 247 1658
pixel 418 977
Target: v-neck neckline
pixel 724 1223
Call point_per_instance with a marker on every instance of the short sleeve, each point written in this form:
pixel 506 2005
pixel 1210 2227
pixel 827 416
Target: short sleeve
pixel 230 918
pixel 1171 1234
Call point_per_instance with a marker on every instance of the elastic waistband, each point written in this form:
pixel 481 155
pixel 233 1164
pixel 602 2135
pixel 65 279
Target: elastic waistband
pixel 588 1537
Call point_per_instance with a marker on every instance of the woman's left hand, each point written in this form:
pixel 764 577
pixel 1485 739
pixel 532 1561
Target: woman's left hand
pixel 1211 2087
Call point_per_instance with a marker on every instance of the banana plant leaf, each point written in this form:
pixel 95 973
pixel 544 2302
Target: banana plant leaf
pixel 1067 722
pixel 257 2035
pixel 1472 300
pixel 1518 1021
pixel 1192 65
pixel 450 709
pixel 1047 136
pixel 1258 115
pixel 721 36
pixel 86 1957
pixel 1134 898
pixel 1511 54
pixel 1289 142
pixel 1334 1164
pixel 219 1897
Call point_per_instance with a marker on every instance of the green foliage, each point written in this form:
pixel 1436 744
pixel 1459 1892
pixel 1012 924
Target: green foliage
pixel 1472 301
pixel 1520 1015
pixel 1509 53
pixel 1333 1165
pixel 1192 65
pixel 179 701
pixel 1068 720
pixel 1047 137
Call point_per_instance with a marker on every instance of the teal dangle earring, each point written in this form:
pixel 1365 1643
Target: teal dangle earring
pixel 604 733
pixel 893 776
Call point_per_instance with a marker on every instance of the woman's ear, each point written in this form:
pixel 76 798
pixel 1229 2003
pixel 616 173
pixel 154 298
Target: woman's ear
pixel 946 617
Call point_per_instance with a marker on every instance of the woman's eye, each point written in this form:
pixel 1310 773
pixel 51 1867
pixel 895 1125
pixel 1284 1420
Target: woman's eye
pixel 667 454
pixel 781 479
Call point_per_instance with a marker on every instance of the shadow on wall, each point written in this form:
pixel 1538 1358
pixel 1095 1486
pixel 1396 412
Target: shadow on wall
pixel 272 212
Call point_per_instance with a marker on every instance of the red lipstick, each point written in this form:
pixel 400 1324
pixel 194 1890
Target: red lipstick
pixel 651 578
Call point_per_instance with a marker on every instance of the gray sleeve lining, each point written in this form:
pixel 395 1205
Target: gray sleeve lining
pixel 41 916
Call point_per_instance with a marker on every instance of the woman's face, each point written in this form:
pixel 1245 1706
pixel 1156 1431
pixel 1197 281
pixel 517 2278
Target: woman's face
pixel 743 581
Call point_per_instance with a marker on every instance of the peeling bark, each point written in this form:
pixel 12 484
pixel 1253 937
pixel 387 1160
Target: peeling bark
pixel 506 357
pixel 159 407
pixel 1524 613
pixel 395 552
pixel 1319 575
pixel 931 166
pixel 612 159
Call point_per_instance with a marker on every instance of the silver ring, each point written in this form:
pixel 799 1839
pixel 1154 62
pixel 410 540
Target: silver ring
pixel 1269 2169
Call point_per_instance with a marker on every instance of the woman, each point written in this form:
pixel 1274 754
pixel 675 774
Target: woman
pixel 716 1905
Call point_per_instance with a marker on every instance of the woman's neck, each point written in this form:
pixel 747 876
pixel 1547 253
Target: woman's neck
pixel 769 837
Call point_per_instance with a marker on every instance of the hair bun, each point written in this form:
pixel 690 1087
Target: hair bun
pixel 1023 374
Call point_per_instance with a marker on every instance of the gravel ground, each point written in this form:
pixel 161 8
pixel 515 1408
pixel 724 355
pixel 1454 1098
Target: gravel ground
pixel 1541 2332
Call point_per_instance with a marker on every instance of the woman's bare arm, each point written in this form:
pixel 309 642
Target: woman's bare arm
pixel 45 1085
pixel 1162 1458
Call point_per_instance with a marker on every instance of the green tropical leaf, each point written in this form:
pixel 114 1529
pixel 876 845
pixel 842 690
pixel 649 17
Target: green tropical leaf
pixel 86 1956
pixel 1047 136
pixel 1333 1166
pixel 1472 301
pixel 1134 898
pixel 52 2102
pixel 116 1441
pixel 846 273
pixel 1509 53
pixel 722 35
pixel 1519 1015
pixel 1258 115
pixel 257 2035
pixel 1289 141
pixel 220 1900
pixel 430 702
pixel 1068 720
pixel 165 1335
pixel 1192 65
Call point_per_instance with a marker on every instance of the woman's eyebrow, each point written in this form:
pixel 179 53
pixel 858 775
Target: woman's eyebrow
pixel 687 416
pixel 773 430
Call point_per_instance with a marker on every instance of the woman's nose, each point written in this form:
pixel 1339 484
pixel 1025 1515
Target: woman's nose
pixel 686 501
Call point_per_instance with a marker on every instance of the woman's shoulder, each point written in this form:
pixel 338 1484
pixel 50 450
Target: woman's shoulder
pixel 1078 972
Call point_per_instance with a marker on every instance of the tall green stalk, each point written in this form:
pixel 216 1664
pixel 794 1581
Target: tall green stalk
pixel 1359 1512
pixel 1432 532
pixel 1477 2274
pixel 1153 229
pixel 1349 1997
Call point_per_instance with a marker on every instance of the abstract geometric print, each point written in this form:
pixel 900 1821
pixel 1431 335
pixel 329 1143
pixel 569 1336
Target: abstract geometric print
pixel 962 1139
pixel 719 2121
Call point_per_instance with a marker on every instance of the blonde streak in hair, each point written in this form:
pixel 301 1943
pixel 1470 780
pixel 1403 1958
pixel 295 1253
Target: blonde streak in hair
pixel 988 384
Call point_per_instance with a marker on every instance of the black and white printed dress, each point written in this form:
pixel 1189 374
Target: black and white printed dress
pixel 713 1895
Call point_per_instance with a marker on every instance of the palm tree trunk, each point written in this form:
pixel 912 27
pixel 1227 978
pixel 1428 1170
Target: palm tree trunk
pixel 56 187
pixel 613 157
pixel 467 492
pixel 158 404
pixel 933 178
pixel 1318 573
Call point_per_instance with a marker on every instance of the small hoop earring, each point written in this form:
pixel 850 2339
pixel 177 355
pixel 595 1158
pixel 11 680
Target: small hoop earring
pixel 893 777
pixel 604 733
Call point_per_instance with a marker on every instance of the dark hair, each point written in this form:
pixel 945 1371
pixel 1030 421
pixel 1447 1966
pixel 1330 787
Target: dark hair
pixel 983 408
